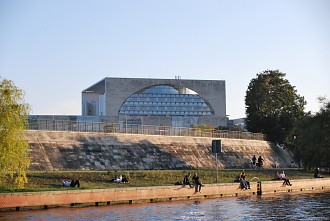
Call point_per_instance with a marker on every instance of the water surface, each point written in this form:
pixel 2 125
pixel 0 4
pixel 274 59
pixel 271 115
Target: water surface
pixel 290 206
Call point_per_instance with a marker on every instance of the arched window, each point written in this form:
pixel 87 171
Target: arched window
pixel 178 102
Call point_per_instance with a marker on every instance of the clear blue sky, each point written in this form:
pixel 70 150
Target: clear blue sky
pixel 54 49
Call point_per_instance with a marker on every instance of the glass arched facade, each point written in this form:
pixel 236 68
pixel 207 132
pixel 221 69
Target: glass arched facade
pixel 165 100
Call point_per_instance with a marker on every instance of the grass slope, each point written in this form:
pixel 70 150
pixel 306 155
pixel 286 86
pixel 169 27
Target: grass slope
pixel 52 180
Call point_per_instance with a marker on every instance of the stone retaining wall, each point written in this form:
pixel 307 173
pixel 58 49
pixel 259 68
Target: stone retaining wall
pixel 100 151
pixel 151 194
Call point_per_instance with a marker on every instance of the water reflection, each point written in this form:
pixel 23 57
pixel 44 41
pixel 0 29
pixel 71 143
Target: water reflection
pixel 313 206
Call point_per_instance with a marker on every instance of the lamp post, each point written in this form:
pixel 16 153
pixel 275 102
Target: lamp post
pixel 216 148
pixel 216 163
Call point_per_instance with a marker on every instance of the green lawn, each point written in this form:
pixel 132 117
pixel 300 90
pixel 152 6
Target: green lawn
pixel 52 180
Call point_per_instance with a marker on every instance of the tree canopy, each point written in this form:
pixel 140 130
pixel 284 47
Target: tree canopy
pixel 14 159
pixel 272 105
pixel 311 139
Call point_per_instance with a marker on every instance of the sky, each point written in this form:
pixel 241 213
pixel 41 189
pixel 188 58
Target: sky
pixel 55 49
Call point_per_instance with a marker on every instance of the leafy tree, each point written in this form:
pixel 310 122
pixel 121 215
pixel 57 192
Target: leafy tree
pixel 311 137
pixel 14 159
pixel 272 105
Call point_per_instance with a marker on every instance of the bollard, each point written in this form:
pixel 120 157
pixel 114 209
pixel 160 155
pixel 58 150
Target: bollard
pixel 259 192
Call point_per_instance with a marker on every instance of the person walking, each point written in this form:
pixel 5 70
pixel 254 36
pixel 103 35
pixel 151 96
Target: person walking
pixel 254 160
pixel 260 162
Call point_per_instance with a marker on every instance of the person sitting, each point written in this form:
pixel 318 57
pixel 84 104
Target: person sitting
pixel 286 181
pixel 237 178
pixel 197 183
pixel 244 184
pixel 186 180
pixel 124 180
pixel 277 176
pixel 118 179
pixel 71 183
pixel 316 173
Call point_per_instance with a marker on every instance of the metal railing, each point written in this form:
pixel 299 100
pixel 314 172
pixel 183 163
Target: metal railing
pixel 63 125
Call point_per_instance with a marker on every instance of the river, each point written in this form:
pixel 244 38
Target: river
pixel 289 206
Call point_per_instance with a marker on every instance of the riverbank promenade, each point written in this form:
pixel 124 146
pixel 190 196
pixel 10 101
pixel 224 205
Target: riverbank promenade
pixel 97 197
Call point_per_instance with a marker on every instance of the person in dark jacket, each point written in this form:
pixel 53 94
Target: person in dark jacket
pixel 186 180
pixel 316 173
pixel 197 183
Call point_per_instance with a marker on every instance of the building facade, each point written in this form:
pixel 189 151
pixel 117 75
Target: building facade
pixel 165 102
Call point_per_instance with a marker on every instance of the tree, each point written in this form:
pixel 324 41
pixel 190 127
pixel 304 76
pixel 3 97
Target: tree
pixel 311 137
pixel 14 159
pixel 272 105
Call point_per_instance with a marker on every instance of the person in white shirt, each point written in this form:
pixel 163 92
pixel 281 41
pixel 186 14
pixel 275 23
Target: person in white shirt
pixel 286 181
pixel 66 183
pixel 71 183
pixel 118 179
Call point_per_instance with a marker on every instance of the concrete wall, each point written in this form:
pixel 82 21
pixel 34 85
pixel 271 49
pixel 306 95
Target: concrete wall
pixel 119 89
pixel 99 151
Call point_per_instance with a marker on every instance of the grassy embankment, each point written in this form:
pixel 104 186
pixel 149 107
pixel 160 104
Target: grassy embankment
pixel 51 180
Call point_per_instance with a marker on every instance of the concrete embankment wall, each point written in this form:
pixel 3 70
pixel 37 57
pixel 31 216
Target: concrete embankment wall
pixel 152 194
pixel 100 151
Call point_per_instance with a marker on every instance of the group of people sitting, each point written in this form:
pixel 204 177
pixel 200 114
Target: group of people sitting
pixel 243 183
pixel 76 183
pixel 196 182
pixel 120 179
pixel 281 176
